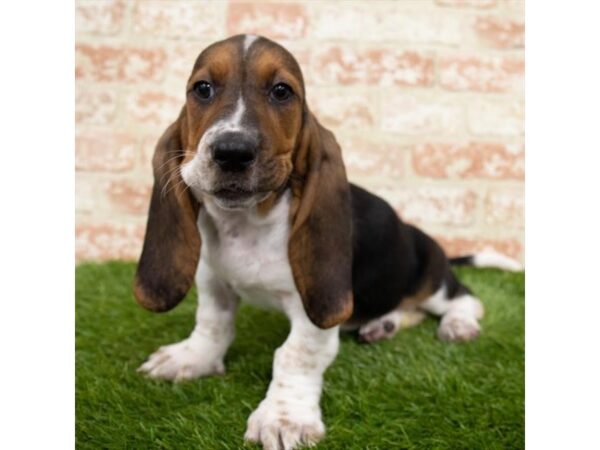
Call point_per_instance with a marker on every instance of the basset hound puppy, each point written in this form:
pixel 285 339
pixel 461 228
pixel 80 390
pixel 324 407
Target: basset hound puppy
pixel 251 201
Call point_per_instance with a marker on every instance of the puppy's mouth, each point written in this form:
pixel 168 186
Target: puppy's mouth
pixel 235 198
pixel 232 194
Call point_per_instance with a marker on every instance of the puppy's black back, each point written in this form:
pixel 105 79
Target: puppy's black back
pixel 392 260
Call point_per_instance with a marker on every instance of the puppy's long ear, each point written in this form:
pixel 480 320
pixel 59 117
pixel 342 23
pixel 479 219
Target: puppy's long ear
pixel 171 249
pixel 320 246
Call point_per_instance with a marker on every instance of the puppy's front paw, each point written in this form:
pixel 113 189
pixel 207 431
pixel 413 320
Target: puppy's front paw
pixel 184 360
pixel 278 425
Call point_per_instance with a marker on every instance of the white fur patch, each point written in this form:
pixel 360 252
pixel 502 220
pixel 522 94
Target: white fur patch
pixel 438 303
pixel 249 252
pixel 234 122
pixel 461 324
pixel 249 39
pixel 290 410
pixel 460 315
pixel 492 258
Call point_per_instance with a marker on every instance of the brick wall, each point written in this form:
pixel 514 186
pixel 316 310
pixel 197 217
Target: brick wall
pixel 425 97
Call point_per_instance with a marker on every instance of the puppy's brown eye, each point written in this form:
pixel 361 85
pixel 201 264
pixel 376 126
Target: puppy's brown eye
pixel 203 90
pixel 281 92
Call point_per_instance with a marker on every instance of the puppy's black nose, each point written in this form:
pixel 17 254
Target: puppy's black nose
pixel 234 152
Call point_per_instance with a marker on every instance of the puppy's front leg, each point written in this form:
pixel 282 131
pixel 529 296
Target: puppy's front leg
pixel 290 414
pixel 203 351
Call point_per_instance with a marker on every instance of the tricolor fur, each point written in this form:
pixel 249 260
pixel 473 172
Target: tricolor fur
pixel 252 201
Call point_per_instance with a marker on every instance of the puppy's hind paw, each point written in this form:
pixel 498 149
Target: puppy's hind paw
pixel 458 328
pixel 386 327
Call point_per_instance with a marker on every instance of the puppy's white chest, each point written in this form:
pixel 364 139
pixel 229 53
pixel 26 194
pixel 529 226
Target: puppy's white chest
pixel 249 251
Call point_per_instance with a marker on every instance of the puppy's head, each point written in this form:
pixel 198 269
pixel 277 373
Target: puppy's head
pixel 244 134
pixel 244 110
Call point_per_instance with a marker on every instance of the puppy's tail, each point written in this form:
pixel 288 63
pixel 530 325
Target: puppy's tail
pixel 487 258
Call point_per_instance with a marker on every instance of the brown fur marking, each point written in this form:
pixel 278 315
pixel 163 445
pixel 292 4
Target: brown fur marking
pixel 296 152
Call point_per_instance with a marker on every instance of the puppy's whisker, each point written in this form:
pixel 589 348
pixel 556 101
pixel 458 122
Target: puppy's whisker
pixel 179 153
pixel 183 191
pixel 169 173
pixel 176 187
pixel 165 190
pixel 172 158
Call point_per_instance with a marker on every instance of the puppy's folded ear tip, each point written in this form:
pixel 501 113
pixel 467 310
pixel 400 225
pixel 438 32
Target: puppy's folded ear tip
pixel 155 300
pixel 338 314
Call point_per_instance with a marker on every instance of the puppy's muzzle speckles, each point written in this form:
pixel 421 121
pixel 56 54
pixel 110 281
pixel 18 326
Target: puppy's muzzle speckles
pixel 234 151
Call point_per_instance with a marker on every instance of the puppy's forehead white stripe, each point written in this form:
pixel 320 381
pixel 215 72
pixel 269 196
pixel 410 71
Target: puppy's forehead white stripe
pixel 232 122
pixel 236 118
pixel 248 41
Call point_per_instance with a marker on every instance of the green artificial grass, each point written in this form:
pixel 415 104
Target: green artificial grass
pixel 411 392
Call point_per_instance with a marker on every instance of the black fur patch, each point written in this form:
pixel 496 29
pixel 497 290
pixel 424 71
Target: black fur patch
pixel 392 260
